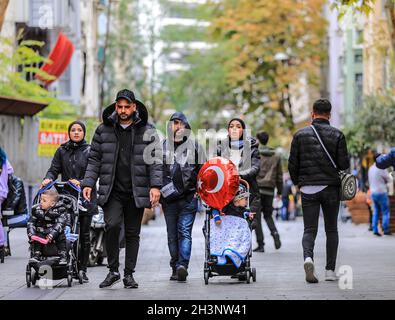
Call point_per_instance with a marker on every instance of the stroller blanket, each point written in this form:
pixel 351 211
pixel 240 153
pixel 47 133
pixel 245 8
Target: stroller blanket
pixel 232 239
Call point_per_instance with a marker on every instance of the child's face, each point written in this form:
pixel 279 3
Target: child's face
pixel 46 202
pixel 241 202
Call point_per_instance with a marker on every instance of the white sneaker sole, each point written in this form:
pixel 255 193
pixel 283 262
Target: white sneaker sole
pixel 309 270
pixel 331 279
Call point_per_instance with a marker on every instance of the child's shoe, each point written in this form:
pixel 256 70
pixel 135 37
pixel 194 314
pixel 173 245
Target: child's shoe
pixel 36 258
pixel 217 217
pixel 63 258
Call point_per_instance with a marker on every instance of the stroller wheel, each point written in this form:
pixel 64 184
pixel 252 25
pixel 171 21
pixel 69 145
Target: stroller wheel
pixel 248 276
pixel 28 276
pixel 34 278
pixel 206 276
pixel 2 254
pixel 69 280
pixel 254 274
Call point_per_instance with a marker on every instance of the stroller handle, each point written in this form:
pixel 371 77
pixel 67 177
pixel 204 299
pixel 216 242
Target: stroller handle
pixel 59 184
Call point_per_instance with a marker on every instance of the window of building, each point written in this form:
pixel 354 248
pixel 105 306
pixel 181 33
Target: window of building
pixel 358 58
pixel 358 88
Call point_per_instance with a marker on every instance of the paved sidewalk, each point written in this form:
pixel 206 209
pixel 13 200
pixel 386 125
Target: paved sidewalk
pixel 280 273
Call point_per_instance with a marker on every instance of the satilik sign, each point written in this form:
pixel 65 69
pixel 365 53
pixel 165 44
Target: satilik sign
pixel 51 135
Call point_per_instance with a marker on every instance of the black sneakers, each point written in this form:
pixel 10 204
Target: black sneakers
pixel 259 249
pixel 277 242
pixel 129 282
pixel 173 276
pixel 111 279
pixel 182 273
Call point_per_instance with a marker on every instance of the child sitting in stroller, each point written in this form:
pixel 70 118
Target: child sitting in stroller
pixel 48 220
pixel 238 207
pixel 230 233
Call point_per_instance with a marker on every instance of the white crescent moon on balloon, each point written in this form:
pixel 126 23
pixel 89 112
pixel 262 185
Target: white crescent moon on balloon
pixel 220 176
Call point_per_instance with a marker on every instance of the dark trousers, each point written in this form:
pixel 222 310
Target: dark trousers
pixel 85 241
pixel 59 242
pixel 117 209
pixel 267 210
pixel 180 216
pixel 329 200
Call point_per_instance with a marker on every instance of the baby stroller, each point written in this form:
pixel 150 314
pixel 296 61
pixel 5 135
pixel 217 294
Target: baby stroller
pixel 70 195
pixel 211 266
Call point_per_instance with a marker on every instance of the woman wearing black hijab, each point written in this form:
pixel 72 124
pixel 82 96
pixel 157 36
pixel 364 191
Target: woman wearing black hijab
pixel 242 150
pixel 70 161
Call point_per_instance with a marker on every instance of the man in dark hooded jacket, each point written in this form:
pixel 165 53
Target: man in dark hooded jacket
pixel 270 177
pixel 183 157
pixel 126 156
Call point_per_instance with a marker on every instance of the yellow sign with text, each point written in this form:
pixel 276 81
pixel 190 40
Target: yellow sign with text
pixel 51 135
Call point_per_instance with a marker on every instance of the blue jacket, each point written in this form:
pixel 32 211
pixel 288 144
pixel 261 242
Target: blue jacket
pixel 386 160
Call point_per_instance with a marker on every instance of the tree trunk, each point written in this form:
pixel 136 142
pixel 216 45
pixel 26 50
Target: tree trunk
pixel 390 6
pixel 3 9
pixel 103 64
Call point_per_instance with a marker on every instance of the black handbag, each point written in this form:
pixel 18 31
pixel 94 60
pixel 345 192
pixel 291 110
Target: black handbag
pixel 348 187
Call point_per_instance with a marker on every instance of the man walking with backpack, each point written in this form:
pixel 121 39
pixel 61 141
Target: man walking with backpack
pixel 270 177
pixel 179 202
pixel 313 172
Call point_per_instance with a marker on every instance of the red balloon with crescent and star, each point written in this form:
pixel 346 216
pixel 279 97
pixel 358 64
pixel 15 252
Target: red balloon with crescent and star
pixel 218 182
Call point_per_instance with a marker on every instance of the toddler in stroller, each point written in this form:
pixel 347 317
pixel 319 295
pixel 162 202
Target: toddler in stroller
pixel 47 224
pixel 228 239
pixel 53 233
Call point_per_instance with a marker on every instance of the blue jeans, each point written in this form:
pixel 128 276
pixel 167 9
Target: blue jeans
pixel 180 216
pixel 380 203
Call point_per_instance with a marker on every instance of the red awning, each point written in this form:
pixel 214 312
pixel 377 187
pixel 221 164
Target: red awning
pixel 60 56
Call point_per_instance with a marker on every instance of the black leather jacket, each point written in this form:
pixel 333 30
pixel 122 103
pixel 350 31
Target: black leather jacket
pixel 16 198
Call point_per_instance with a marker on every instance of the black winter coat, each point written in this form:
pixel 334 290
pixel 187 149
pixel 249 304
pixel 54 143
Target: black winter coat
pixel 308 163
pixel 70 161
pixel 104 153
pixel 16 198
pixel 52 222
pixel 248 173
pixel 189 155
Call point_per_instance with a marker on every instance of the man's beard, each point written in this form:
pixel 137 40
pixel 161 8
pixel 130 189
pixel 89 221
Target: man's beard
pixel 125 117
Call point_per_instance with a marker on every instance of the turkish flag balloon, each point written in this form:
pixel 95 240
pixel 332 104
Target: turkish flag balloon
pixel 218 182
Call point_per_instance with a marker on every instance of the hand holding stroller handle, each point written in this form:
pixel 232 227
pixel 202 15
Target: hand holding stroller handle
pixel 47 187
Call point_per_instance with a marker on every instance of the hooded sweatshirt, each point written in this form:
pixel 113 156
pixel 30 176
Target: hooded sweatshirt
pixel 270 174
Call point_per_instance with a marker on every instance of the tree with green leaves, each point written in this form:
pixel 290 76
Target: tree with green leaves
pixel 373 125
pixel 272 45
pixel 125 52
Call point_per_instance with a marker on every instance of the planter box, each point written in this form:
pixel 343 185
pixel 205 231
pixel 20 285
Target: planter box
pixel 358 208
pixel 392 213
pixel 360 216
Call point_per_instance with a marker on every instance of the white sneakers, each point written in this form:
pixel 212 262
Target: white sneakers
pixel 330 275
pixel 311 277
pixel 309 270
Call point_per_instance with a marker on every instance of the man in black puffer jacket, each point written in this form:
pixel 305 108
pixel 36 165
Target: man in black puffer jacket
pixel 126 155
pixel 313 172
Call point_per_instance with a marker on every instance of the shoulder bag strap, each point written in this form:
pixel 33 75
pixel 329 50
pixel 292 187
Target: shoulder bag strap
pixel 323 146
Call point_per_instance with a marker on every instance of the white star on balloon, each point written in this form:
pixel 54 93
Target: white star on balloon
pixel 200 182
